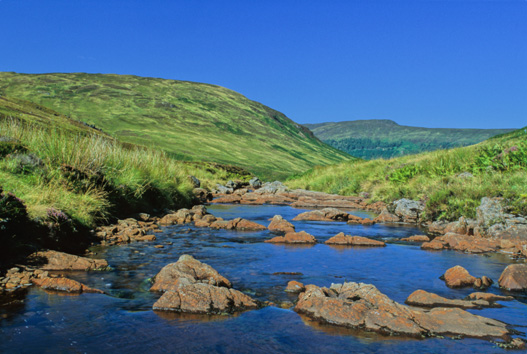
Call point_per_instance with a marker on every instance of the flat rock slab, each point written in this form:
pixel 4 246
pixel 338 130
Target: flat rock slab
pixel 416 238
pixel 64 285
pixel 326 214
pixel 301 237
pixel 187 270
pixel 346 240
pixel 514 277
pixel 362 306
pixel 53 260
pixel 488 297
pixel 205 299
pixel 423 298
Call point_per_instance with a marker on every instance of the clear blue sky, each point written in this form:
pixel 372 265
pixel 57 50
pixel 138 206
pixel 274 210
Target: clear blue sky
pixel 425 63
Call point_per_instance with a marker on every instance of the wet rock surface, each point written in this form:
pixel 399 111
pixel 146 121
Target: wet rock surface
pixel 195 287
pixel 458 277
pixel 362 306
pixel 279 224
pixel 294 238
pixel 514 277
pixel 346 240
pixel 54 260
pixel 423 298
pixel 64 285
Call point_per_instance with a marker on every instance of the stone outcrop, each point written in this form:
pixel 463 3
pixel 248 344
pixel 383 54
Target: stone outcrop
pixel 54 260
pixel 346 240
pixel 416 238
pixel 423 298
pixel 362 306
pixel 64 285
pixel 129 230
pixel 184 216
pixel 189 268
pixel 457 277
pixel 279 224
pixel 195 287
pixel 295 287
pixel 294 238
pixel 514 277
pixel 409 210
pixel 327 214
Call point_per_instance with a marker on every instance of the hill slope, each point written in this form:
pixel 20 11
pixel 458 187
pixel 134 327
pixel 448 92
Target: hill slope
pixel 498 167
pixel 379 138
pixel 190 120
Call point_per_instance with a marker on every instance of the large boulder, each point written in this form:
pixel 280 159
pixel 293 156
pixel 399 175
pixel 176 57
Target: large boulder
pixel 457 277
pixel 409 210
pixel 294 237
pixel 490 212
pixel 279 224
pixel 189 269
pixel 362 306
pixel 346 240
pixel 205 299
pixel 54 260
pixel 514 277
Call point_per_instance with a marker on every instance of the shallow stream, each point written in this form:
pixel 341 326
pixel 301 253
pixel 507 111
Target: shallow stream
pixel 123 320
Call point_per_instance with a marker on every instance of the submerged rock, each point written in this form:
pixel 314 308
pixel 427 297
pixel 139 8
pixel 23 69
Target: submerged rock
pixel 54 260
pixel 362 306
pixel 281 225
pixel 294 237
pixel 514 277
pixel 347 240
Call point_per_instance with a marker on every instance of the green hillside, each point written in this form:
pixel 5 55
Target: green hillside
pixel 191 121
pixel 379 138
pixel 498 168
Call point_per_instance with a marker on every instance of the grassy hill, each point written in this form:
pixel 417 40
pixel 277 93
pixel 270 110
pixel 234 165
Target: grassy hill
pixel 498 166
pixel 379 138
pixel 191 121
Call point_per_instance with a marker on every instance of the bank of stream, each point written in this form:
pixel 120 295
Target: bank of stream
pixel 123 320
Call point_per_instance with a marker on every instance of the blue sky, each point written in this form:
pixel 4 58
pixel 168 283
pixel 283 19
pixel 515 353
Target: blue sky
pixel 424 63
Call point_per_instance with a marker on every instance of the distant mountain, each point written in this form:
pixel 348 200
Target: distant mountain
pixel 192 121
pixel 382 138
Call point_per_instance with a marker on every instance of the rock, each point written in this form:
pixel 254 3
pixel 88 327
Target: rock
pixel 295 287
pixel 434 245
pixel 54 260
pixel 347 240
pixel 326 214
pixel 204 298
pixel 229 199
pixel 365 222
pixel 490 212
pixel 488 297
pixel 281 225
pixel 457 277
pixel 463 243
pixel 386 217
pixel 64 285
pixel 272 188
pixel 246 225
pixel 423 298
pixel 255 182
pixel 362 306
pixel 187 270
pixel 195 182
pixel 416 238
pixel 514 277
pixel 409 210
pixel 294 237
pixel 223 190
pixel 483 283
pixel 202 195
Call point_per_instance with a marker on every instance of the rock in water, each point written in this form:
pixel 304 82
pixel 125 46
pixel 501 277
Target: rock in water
pixel 281 225
pixel 423 298
pixel 362 306
pixel 295 287
pixel 294 237
pixel 346 240
pixel 64 285
pixel 190 269
pixel 457 277
pixel 53 260
pixel 514 277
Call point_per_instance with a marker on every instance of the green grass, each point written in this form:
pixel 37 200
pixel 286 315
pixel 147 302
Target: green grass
pixel 91 177
pixel 192 121
pixel 499 166
pixel 370 139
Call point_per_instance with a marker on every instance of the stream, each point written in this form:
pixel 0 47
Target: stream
pixel 123 321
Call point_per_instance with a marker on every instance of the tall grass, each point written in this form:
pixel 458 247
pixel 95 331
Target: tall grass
pixel 498 167
pixel 102 175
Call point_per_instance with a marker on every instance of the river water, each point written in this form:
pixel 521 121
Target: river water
pixel 123 320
